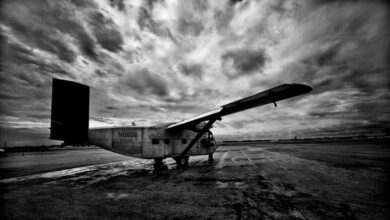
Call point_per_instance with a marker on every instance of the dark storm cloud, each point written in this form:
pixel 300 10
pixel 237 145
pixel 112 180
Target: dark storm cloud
pixel 358 109
pixel 120 110
pixel 118 4
pixel 16 52
pixel 180 108
pixel 279 6
pixel 195 70
pixel 29 86
pixel 4 95
pixel 325 2
pixel 330 70
pixel 200 5
pixel 186 24
pixel 101 73
pixel 26 136
pixel 235 1
pixel 62 20
pixel 146 22
pixel 145 82
pixel 26 21
pixel 45 40
pixel 18 55
pixel 87 47
pixel 150 3
pixel 27 108
pixel 82 3
pixel 245 61
pixel 327 57
pixel 184 97
pixel 354 58
pixel 344 129
pixel 144 19
pixel 42 24
pixel 367 107
pixel 25 82
pixel 106 32
pixel 190 27
pixel 222 18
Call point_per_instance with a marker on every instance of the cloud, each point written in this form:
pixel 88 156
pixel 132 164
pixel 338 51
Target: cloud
pixel 82 3
pixel 43 39
pixel 119 4
pixel 244 61
pixel 145 82
pixel 191 69
pixel 160 61
pixel 222 18
pixel 147 23
pixel 101 73
pixel 190 27
pixel 43 24
pixel 26 136
pixel 106 32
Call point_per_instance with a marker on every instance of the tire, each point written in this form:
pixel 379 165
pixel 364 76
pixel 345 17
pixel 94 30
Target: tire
pixel 182 161
pixel 158 160
pixel 158 163
pixel 211 159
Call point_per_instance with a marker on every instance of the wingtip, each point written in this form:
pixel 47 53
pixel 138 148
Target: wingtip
pixel 303 88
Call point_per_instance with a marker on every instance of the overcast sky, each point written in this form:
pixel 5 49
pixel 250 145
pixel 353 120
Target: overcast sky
pixel 151 62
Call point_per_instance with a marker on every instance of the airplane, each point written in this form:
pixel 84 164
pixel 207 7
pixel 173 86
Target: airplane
pixel 177 140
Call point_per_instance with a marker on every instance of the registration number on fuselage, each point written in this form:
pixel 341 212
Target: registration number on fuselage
pixel 127 134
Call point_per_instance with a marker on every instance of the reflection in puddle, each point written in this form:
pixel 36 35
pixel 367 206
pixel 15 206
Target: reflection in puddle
pixel 88 172
pixel 239 185
pixel 117 196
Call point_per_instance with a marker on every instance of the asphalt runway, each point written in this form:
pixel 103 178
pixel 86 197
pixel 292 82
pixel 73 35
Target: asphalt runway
pixel 27 163
pixel 261 181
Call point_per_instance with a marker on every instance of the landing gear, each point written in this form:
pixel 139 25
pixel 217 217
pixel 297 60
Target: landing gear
pixel 158 163
pixel 182 161
pixel 211 159
pixel 158 160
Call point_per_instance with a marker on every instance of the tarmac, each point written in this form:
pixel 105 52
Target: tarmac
pixel 256 181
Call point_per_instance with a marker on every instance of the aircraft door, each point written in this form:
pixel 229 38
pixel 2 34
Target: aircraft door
pixel 204 142
pixel 175 148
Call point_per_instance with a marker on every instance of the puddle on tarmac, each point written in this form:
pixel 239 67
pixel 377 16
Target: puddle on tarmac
pixel 230 184
pixel 117 196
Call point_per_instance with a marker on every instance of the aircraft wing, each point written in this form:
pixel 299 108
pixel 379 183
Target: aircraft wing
pixel 273 95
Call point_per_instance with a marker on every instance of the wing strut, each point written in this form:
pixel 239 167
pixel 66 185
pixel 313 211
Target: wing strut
pixel 198 136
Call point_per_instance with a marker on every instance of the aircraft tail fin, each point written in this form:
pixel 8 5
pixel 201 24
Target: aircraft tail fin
pixel 69 112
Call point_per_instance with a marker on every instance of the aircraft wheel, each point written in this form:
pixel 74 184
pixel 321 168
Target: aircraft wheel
pixel 158 161
pixel 159 165
pixel 182 161
pixel 211 159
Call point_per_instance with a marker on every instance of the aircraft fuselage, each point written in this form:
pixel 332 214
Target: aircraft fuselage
pixel 151 142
